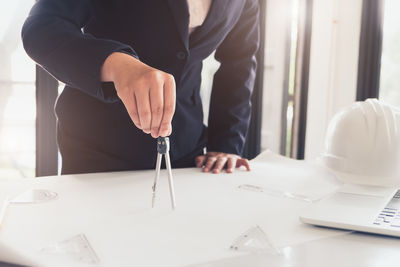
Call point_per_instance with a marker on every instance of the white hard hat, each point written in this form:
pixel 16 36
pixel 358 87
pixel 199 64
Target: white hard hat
pixel 362 144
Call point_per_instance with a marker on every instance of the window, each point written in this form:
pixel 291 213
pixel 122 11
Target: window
pixel 379 63
pixel 334 61
pixel 390 59
pixel 286 66
pixel 17 95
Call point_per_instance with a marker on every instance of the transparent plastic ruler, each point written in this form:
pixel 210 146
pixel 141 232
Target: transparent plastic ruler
pixel 34 196
pixel 254 240
pixel 276 193
pixel 77 248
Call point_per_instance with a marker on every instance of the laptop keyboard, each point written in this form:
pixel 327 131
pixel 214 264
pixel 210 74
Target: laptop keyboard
pixel 390 215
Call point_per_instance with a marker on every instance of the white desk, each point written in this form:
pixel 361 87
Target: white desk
pixel 114 211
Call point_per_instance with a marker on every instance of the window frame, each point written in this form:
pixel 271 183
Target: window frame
pixel 369 64
pixel 46 144
pixel 302 73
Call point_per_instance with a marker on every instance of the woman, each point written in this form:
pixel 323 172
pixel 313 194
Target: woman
pixel 132 71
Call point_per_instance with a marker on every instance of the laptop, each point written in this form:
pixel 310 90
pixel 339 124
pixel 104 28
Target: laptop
pixel 368 209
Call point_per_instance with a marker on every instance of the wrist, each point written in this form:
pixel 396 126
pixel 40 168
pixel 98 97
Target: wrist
pixel 113 64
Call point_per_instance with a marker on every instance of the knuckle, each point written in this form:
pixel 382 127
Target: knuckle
pixel 169 77
pixel 164 125
pixel 158 109
pixel 145 114
pixel 169 109
pixel 141 84
pixel 154 75
pixel 132 111
pixel 122 91
pixel 156 85
pixel 133 116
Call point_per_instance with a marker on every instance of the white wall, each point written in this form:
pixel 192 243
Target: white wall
pixel 333 65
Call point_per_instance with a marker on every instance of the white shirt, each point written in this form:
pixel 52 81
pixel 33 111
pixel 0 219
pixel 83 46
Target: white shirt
pixel 198 10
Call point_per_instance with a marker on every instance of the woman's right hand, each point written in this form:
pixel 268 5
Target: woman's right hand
pixel 147 93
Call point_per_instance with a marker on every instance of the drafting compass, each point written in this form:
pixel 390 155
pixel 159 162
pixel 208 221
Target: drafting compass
pixel 163 149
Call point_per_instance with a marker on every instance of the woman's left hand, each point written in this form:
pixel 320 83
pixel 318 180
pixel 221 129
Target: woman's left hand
pixel 217 161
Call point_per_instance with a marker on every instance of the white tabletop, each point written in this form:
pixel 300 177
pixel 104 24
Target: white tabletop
pixel 113 211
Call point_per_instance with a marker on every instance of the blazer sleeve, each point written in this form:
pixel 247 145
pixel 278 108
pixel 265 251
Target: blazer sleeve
pixel 52 36
pixel 230 104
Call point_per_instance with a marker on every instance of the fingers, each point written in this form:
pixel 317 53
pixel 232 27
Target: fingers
pixel 219 164
pixel 131 107
pixel 144 109
pixel 209 164
pixel 135 114
pixel 243 162
pixel 169 129
pixel 216 162
pixel 199 161
pixel 169 106
pixel 231 164
pixel 157 107
pixel 147 93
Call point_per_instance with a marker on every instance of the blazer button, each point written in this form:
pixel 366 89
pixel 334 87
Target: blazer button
pixel 181 55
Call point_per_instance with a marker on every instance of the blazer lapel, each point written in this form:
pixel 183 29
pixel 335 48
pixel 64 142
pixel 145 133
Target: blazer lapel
pixel 180 12
pixel 214 17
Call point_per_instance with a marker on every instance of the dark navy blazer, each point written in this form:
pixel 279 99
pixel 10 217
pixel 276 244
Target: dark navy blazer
pixel 72 38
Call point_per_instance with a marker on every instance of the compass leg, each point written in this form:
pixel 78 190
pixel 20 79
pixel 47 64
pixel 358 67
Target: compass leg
pixel 170 180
